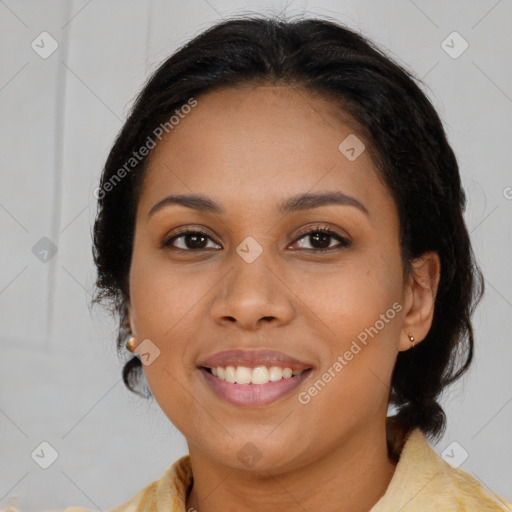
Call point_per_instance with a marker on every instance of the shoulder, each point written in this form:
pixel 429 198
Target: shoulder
pixel 468 492
pixel 424 481
pixel 445 487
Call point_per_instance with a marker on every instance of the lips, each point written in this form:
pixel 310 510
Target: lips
pixel 253 394
pixel 253 358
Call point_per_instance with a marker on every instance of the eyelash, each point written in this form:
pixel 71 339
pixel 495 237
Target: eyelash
pixel 319 229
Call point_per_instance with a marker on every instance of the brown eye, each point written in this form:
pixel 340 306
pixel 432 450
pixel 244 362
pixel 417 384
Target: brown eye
pixel 320 239
pixel 193 239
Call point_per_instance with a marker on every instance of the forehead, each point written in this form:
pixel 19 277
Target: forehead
pixel 256 145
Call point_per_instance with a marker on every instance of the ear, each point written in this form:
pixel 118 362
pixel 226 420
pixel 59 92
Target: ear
pixel 131 321
pixel 420 295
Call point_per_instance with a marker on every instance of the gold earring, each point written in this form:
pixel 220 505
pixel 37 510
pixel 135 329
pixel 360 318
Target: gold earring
pixel 411 337
pixel 130 345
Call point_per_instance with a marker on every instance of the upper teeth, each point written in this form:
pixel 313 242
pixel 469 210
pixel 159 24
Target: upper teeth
pixel 256 375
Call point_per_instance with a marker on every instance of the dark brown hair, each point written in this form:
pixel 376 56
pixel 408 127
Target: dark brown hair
pixel 404 136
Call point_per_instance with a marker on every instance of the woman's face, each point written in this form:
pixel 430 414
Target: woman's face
pixel 254 280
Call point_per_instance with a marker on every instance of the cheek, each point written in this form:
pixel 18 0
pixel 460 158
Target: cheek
pixel 161 295
pixel 345 301
pixel 159 307
pixel 358 316
pixel 357 312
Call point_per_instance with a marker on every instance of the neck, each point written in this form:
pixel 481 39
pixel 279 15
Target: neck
pixel 352 477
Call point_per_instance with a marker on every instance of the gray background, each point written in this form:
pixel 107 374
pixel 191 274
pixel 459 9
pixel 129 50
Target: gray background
pixel 59 373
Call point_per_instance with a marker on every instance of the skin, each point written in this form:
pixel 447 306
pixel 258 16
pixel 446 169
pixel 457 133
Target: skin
pixel 248 149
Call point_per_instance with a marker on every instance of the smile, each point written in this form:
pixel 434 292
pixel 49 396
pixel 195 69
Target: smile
pixel 250 387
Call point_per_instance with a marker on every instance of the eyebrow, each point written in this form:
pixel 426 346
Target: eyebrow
pixel 293 204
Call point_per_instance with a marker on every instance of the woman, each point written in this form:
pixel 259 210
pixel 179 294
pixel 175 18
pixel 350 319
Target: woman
pixel 280 230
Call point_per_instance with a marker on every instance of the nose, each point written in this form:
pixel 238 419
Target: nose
pixel 252 295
